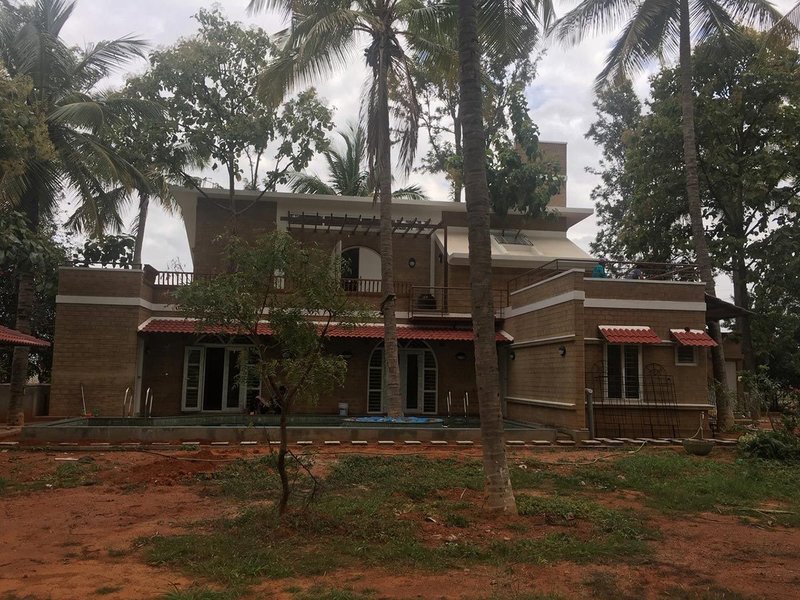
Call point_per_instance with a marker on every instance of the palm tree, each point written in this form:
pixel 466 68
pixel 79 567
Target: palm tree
pixel 323 35
pixel 509 28
pixel 82 163
pixel 347 175
pixel 656 28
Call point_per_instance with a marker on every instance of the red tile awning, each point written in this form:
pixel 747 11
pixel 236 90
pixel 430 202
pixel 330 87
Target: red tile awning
pixel 693 337
pixel 12 337
pixel 375 332
pixel 629 334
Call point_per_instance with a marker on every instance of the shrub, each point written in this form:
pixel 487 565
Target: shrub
pixel 780 445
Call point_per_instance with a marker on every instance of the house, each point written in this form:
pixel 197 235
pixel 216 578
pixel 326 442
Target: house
pixel 637 343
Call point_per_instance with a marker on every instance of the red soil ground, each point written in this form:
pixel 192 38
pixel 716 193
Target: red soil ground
pixel 69 543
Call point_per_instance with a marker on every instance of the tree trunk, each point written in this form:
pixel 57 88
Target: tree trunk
pixel 458 179
pixel 741 297
pixel 283 450
pixel 144 205
pixel 703 256
pixel 500 496
pixel 19 358
pixel 384 180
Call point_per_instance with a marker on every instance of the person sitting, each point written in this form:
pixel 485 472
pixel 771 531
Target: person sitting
pixel 599 270
pixel 635 273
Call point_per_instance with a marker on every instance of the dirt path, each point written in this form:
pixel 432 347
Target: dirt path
pixel 79 542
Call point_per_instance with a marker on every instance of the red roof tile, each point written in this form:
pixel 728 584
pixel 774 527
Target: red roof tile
pixel 693 337
pixel 17 338
pixel 363 331
pixel 629 334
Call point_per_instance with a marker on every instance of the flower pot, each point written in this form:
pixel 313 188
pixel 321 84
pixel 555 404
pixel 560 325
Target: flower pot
pixel 698 447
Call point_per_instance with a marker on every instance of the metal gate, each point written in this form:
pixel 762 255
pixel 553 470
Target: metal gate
pixel 653 413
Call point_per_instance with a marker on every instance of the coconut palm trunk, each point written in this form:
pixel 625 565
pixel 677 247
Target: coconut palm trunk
pixel 500 497
pixel 394 403
pixel 725 418
pixel 19 359
pixel 141 222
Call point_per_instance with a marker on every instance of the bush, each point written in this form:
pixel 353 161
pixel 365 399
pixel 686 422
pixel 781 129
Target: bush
pixel 780 445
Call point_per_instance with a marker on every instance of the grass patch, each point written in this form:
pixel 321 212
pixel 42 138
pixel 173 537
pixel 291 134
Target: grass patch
pixel 673 482
pixel 412 476
pixel 199 593
pixel 251 479
pixel 323 593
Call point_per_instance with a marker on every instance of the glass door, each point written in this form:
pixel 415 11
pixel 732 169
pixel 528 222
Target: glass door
pixel 412 369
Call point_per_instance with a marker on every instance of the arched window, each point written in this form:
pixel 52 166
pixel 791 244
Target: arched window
pixel 419 376
pixel 361 263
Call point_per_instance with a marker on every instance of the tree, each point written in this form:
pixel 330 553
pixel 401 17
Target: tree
pixel 507 28
pixel 63 91
pixel 347 174
pixel 40 253
pixel 322 35
pixel 213 116
pixel 288 355
pixel 520 178
pixel 748 156
pixel 656 28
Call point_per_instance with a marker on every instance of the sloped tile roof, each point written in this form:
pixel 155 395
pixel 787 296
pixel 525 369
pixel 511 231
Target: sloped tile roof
pixel 693 337
pixel 13 337
pixel 629 334
pixel 404 332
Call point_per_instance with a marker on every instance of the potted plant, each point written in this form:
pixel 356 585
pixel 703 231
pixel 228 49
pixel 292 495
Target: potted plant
pixel 697 444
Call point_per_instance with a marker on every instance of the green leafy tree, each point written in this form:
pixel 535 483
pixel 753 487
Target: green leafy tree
pixel 654 30
pixel 291 361
pixel 348 174
pixel 213 116
pixel 40 253
pixel 749 161
pixel 499 28
pixel 80 162
pixel 323 34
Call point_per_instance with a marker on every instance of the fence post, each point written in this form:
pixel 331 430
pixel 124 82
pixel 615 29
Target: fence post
pixel 590 411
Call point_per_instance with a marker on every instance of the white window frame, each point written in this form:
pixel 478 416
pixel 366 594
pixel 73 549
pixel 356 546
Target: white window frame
pixel 678 363
pixel 422 372
pixel 622 364
pixel 225 373
pixel 200 378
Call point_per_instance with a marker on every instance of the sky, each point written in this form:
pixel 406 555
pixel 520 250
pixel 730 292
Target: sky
pixel 560 98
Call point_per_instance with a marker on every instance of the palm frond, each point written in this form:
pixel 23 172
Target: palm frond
pixel 410 192
pixel 651 33
pixel 511 27
pixel 303 183
pixel 103 58
pixel 592 17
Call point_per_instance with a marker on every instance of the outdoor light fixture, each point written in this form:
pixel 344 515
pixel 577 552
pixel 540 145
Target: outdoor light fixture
pixel 461 356
pixel 412 262
pixel 347 355
pixel 441 257
pixel 562 350
pixel 512 355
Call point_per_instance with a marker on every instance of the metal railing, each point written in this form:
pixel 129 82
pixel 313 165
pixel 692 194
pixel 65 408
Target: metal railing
pixel 453 302
pixel 612 270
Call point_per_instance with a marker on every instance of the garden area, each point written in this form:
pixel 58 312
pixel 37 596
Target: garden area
pixel 201 524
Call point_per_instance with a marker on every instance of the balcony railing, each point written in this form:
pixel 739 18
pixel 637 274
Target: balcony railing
pixel 451 302
pixel 613 270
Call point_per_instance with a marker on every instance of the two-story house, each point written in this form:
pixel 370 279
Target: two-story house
pixel 635 337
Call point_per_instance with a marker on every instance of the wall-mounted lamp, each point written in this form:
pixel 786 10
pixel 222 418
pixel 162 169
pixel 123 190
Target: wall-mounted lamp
pixel 441 257
pixel 512 355
pixel 562 351
pixel 461 356
pixel 412 262
pixel 347 355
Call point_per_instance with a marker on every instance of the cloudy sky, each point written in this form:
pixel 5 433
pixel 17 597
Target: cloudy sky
pixel 560 98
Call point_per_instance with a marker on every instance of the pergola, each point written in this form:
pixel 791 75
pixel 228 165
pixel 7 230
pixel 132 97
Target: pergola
pixel 350 224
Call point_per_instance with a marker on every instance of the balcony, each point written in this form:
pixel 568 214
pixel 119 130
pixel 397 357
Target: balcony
pixel 628 270
pixel 449 302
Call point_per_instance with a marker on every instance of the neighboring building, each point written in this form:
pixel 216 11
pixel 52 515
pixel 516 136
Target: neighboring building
pixel 637 343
